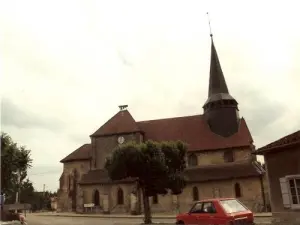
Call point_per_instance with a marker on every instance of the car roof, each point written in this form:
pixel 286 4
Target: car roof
pixel 215 199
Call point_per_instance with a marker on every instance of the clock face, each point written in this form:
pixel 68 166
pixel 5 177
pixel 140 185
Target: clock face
pixel 121 140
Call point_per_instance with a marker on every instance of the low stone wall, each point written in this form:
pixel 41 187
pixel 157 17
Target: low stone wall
pixel 286 218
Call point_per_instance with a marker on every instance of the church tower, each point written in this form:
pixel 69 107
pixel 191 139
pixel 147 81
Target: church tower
pixel 220 109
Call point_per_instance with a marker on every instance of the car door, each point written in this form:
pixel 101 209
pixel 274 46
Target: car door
pixel 194 214
pixel 208 214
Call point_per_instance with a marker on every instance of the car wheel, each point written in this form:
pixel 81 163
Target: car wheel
pixel 180 222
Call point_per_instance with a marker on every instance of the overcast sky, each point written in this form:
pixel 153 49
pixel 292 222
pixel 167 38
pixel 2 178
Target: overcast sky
pixel 67 65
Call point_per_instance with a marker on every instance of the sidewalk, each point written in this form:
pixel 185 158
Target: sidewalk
pixel 125 216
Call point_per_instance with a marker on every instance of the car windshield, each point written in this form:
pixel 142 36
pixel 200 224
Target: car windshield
pixel 232 206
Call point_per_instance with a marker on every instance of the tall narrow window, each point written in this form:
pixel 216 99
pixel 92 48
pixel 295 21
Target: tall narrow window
pixel 69 182
pixel 96 198
pixel 155 199
pixel 120 197
pixel 192 160
pixel 237 190
pixel 62 181
pixel 195 194
pixel 228 156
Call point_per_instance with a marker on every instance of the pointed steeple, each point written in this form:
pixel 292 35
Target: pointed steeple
pixel 217 83
pixel 220 109
pixel 217 89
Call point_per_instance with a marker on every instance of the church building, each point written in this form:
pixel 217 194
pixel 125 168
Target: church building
pixel 220 162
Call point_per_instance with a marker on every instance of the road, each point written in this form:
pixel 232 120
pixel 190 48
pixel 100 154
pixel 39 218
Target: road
pixel 59 220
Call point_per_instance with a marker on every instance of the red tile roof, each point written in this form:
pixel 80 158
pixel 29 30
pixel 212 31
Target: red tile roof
pixel 122 122
pixel 100 176
pixel 82 153
pixel 223 171
pixel 194 131
pixel 195 174
pixel 286 141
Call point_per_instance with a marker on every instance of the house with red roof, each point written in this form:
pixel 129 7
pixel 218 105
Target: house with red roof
pixel 282 160
pixel 220 162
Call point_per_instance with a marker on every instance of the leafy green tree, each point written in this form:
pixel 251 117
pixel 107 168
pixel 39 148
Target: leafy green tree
pixel 157 168
pixel 27 192
pixel 15 161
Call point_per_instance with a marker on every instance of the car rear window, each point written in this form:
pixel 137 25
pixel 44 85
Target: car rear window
pixel 232 206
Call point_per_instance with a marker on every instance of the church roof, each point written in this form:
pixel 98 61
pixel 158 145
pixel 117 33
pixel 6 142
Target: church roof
pixel 82 153
pixel 122 122
pixel 194 174
pixel 287 141
pixel 194 131
pixel 223 171
pixel 100 176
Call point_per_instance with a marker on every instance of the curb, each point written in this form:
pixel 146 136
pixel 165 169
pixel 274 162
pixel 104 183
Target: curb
pixel 125 217
pixel 109 216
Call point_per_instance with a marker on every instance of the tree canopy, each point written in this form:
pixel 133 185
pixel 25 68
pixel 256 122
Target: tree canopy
pixel 157 167
pixel 15 161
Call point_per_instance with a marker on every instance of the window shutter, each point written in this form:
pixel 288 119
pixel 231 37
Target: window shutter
pixel 285 192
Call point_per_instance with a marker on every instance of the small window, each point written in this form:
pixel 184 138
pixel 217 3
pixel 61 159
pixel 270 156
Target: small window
pixel 294 184
pixel 216 193
pixel 70 182
pixel 195 194
pixel 197 208
pixel 237 190
pixel 192 159
pixel 61 181
pixel 96 198
pixel 232 206
pixel 228 156
pixel 120 195
pixel 155 199
pixel 208 207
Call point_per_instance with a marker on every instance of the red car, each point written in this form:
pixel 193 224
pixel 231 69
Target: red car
pixel 221 211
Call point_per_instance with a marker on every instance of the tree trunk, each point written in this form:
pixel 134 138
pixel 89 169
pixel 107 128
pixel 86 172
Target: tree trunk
pixel 147 209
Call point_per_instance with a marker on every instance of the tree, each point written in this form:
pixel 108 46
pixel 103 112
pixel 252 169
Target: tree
pixel 15 163
pixel 157 168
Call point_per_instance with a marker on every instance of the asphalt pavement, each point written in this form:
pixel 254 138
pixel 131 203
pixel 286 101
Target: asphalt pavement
pixel 34 219
pixel 59 220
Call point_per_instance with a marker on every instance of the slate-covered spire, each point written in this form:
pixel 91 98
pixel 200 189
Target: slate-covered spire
pixel 217 83
pixel 220 109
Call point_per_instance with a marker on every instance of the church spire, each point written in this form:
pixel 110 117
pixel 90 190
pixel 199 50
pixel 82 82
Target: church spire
pixel 217 83
pixel 220 109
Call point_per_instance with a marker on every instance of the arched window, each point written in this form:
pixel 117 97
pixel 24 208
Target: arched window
pixel 120 197
pixel 84 197
pixel 195 194
pixel 62 181
pixel 237 190
pixel 155 199
pixel 96 198
pixel 69 182
pixel 228 156
pixel 192 160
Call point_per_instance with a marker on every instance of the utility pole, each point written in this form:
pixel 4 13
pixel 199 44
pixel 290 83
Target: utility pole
pixel 44 202
pixel 44 186
pixel 18 188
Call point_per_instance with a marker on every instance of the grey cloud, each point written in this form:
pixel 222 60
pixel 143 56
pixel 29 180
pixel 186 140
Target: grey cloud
pixel 13 115
pixel 259 111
